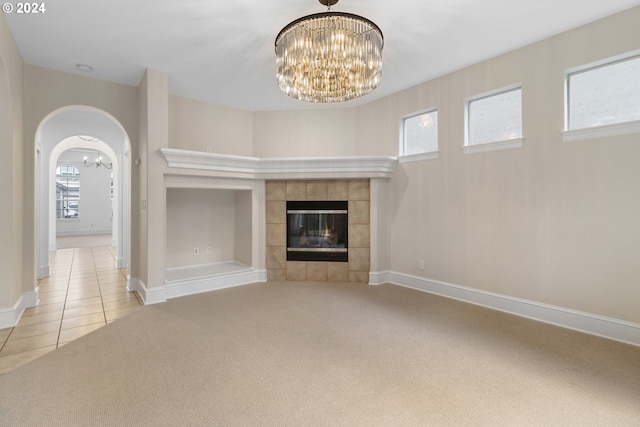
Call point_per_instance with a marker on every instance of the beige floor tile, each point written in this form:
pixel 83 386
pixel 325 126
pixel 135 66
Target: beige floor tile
pixel 83 293
pixel 53 288
pixel 4 334
pixel 114 305
pixel 22 331
pixel 115 289
pixel 90 275
pixel 81 311
pixel 12 361
pixel 106 265
pixel 87 319
pixel 29 343
pixel 86 282
pixel 113 279
pixel 67 335
pixel 82 302
pixel 52 299
pixel 40 318
pixel 44 308
pixel 120 296
pixel 81 280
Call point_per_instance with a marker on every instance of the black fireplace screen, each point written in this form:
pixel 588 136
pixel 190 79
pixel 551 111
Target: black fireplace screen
pixel 317 231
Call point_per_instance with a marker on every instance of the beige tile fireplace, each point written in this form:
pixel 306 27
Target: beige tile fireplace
pixel 356 192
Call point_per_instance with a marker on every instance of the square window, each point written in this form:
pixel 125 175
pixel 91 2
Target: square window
pixel 494 118
pixel 420 133
pixel 603 95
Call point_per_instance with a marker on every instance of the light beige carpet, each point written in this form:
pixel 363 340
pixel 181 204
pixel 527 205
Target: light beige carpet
pixel 302 354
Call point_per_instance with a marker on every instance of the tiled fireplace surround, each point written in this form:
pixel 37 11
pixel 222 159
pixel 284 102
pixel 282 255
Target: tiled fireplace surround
pixel 356 192
pixel 270 183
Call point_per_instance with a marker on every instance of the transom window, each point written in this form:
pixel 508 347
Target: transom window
pixel 496 117
pixel 420 133
pixel 67 191
pixel 604 94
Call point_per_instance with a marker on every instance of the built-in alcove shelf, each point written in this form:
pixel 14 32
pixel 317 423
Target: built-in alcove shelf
pixel 283 167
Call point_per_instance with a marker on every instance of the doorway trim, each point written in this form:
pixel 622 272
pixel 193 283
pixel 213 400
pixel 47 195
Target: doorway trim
pixel 59 125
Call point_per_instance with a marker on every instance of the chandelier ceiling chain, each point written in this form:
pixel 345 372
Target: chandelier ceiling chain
pixel 329 56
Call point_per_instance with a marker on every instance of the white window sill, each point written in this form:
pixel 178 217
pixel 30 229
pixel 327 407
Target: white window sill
pixel 493 146
pixel 615 129
pixel 432 155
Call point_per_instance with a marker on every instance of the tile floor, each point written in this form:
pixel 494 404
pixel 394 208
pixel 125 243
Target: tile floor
pixel 83 293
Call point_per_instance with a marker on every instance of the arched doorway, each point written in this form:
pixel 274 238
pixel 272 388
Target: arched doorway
pixel 56 134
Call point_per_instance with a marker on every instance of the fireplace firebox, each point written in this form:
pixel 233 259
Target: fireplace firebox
pixel 317 231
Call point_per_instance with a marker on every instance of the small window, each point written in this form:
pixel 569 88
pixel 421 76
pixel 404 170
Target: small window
pixel 603 95
pixel 67 191
pixel 495 118
pixel 420 134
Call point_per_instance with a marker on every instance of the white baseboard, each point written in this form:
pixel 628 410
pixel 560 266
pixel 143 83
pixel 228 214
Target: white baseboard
pixel 10 316
pixel 147 295
pixel 83 232
pixel 43 271
pixel 189 286
pixel 606 327
pixel 378 278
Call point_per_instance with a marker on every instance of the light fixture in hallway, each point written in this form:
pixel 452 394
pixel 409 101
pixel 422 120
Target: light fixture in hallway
pixel 98 162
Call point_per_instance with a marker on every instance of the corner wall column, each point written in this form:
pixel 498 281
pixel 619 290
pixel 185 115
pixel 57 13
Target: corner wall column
pixel 149 205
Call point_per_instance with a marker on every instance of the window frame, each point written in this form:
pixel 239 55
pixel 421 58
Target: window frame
pixel 493 145
pixel 59 176
pixel 426 155
pixel 613 129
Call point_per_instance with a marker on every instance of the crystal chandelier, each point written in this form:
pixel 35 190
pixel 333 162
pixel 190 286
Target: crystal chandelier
pixel 329 57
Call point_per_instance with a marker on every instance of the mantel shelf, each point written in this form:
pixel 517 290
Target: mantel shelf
pixel 282 167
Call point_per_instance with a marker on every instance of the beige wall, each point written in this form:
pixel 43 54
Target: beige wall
pixel 198 126
pixel 201 218
pixel 305 133
pixel 554 222
pixel 13 228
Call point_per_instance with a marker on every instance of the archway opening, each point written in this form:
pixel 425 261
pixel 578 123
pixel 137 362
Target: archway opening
pixel 73 133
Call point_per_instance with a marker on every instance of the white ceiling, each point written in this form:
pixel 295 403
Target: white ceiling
pixel 223 51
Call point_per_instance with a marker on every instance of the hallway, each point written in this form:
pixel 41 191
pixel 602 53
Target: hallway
pixel 83 293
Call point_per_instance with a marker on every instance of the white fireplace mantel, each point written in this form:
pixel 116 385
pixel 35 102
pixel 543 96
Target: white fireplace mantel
pixel 283 167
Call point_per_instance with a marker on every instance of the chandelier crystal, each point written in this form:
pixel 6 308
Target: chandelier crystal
pixel 329 57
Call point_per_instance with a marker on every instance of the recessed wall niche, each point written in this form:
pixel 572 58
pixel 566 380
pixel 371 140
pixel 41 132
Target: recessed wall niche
pixel 208 227
pixel 356 192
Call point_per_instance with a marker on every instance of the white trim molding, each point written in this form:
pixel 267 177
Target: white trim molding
pixel 431 155
pixel 493 146
pixel 10 316
pixel 148 296
pixel 606 327
pixel 194 284
pixel 282 167
pixel 616 129
pixel 187 281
